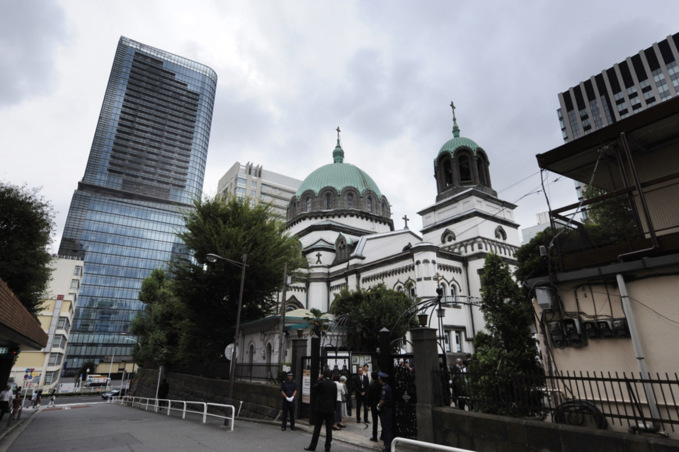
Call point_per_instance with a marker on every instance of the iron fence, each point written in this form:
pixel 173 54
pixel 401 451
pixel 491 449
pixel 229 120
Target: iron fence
pixel 257 372
pixel 594 399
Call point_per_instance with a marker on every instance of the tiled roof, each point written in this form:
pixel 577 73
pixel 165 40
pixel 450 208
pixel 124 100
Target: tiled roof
pixel 16 323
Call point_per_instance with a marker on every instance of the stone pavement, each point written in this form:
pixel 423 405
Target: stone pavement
pixel 103 426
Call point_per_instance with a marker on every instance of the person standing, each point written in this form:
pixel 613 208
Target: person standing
pixel 361 390
pixel 385 408
pixel 288 391
pixel 374 392
pixel 16 405
pixel 338 402
pixel 325 392
pixel 459 383
pixel 6 397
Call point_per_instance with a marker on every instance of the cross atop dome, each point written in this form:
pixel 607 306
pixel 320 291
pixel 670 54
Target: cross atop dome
pixel 338 153
pixel 456 129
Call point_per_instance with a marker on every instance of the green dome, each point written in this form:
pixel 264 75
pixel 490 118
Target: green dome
pixel 457 141
pixel 339 176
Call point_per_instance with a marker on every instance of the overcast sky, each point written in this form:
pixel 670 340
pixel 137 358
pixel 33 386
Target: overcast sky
pixel 290 72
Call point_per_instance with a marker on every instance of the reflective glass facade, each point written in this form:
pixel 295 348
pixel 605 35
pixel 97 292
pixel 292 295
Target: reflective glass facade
pixel 145 167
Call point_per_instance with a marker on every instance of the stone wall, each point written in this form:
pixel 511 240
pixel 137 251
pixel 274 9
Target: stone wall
pixel 259 401
pixel 484 432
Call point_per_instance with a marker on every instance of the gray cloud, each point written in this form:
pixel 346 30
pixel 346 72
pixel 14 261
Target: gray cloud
pixel 30 32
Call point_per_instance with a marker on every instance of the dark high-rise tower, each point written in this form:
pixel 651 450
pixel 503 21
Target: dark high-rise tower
pixel 146 166
pixel 637 83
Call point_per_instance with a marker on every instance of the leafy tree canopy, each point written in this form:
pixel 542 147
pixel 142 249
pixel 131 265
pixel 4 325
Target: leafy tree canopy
pixel 26 224
pixel 530 263
pixel 610 220
pixel 160 325
pixel 229 227
pixel 508 348
pixel 368 311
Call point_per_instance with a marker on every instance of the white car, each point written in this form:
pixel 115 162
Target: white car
pixel 113 393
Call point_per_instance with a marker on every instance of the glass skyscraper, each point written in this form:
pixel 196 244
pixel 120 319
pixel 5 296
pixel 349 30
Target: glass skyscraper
pixel 146 166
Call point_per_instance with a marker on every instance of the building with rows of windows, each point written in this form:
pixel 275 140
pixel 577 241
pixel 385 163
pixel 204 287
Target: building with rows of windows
pixel 146 167
pixel 254 182
pixel 638 82
pixel 41 369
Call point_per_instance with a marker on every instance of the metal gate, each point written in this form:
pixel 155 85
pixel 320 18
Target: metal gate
pixel 404 395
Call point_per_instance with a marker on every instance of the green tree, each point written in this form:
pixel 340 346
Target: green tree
pixel 318 322
pixel 531 264
pixel 26 223
pixel 160 324
pixel 229 227
pixel 506 353
pixel 610 220
pixel 366 312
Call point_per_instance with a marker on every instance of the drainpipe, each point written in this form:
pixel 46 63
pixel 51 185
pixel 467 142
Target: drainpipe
pixel 641 359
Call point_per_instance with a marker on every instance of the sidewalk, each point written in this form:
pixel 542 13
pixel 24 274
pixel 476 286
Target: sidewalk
pixel 354 433
pixel 26 414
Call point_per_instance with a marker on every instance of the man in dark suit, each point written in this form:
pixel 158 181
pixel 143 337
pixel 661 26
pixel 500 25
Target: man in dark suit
pixel 361 390
pixel 325 392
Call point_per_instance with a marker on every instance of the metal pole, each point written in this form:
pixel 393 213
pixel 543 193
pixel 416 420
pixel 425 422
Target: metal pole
pixel 160 372
pixel 638 351
pixel 234 357
pixel 111 367
pixel 282 319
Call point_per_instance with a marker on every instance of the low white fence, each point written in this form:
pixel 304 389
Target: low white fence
pixel 183 406
pixel 427 446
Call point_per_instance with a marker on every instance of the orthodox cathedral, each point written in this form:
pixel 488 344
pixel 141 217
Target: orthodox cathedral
pixel 343 221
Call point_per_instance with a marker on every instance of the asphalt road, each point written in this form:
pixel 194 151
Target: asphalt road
pixel 110 427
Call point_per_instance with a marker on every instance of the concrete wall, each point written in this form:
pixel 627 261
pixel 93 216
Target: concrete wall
pixel 484 432
pixel 259 401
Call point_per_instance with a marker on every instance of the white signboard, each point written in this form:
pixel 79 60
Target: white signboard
pixel 306 386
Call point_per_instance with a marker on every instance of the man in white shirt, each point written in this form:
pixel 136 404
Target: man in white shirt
pixel 6 397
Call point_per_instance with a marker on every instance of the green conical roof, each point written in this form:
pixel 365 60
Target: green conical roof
pixel 338 175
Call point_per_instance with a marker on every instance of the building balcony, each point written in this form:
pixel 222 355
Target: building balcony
pixel 632 169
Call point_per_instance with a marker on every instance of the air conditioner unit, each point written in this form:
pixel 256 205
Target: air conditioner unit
pixel 545 298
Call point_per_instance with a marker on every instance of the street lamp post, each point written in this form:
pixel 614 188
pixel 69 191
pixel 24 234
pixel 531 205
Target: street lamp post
pixel 115 349
pixel 232 371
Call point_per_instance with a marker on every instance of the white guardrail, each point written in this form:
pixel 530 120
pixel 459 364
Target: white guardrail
pixel 180 405
pixel 428 446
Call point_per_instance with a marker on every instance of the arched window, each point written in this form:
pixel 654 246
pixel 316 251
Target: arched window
pixel 465 168
pixel 370 204
pixel 328 201
pixel 350 200
pixel 447 173
pixel 500 233
pixel 481 167
pixel 308 204
pixel 448 236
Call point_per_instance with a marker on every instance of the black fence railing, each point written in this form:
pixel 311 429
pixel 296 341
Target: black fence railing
pixel 584 399
pixel 257 372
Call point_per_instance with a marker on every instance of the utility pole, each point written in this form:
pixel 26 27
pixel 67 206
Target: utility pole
pixel 281 330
